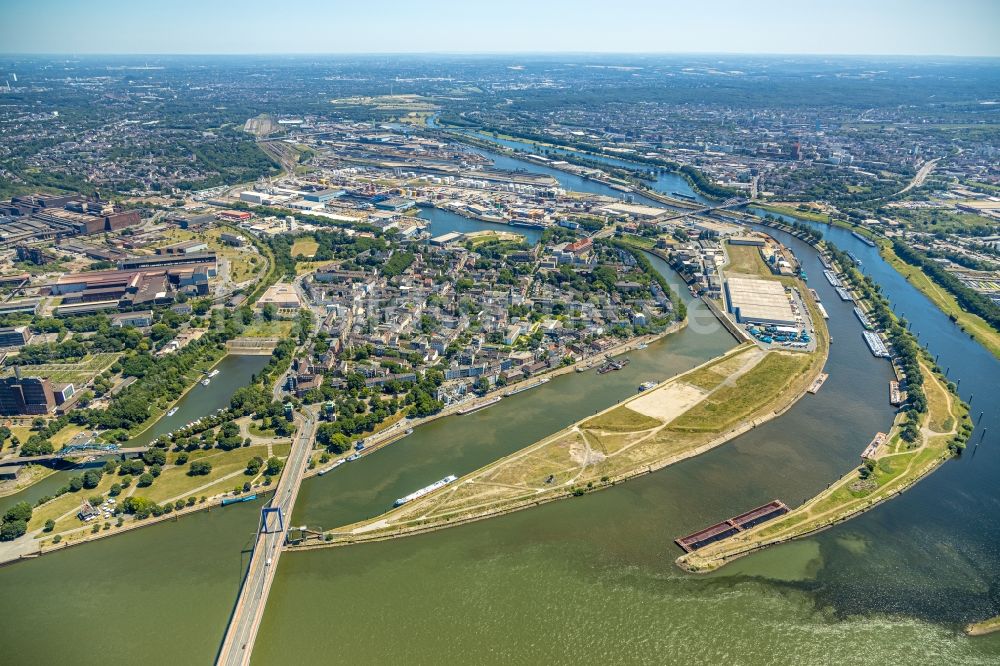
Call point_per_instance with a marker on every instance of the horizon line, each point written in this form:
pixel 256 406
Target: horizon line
pixel 495 54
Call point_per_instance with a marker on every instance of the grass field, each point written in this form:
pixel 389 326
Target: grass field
pixel 971 323
pixel 305 246
pixel 174 481
pixel 278 328
pixel 78 374
pixel 746 260
pixel 897 468
pixel 794 211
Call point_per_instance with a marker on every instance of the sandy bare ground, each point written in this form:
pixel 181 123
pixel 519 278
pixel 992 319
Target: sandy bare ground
pixel 667 402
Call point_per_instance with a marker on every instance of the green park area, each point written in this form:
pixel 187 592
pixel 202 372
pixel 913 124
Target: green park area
pixel 158 480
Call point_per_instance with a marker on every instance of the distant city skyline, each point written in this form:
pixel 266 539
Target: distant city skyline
pixel 823 27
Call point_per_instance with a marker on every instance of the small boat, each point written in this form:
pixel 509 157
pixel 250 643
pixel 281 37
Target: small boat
pixel 213 373
pixel 352 457
pixel 206 381
pixel 645 386
pixel 642 345
pixel 173 410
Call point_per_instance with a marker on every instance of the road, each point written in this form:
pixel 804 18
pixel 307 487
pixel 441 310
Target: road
pixel 921 176
pixel 237 645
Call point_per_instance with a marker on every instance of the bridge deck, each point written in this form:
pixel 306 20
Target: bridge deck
pixel 237 645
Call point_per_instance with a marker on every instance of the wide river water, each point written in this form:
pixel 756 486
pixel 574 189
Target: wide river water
pixel 590 578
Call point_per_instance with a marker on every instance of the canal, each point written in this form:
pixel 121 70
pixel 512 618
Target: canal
pixel 590 578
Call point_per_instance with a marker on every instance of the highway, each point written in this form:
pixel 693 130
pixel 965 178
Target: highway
pixel 921 175
pixel 237 645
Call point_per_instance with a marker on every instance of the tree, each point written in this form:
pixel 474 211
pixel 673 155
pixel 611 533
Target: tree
pixel 274 466
pixel 20 511
pixel 145 480
pixel 91 478
pixel 200 468
pixel 13 529
pixel 254 465
pixel 50 525
pixel 155 457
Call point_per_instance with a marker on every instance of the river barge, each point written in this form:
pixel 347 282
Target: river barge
pixel 864 239
pixel 612 365
pixel 417 494
pixel 863 318
pixel 844 294
pixel 822 311
pixel 526 388
pixel 236 500
pixel 818 383
pixel 895 395
pixel 875 344
pixel 476 408
pixel 832 278
pixel 872 448
pixel 732 526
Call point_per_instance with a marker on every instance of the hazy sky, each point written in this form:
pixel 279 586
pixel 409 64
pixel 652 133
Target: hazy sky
pixel 918 27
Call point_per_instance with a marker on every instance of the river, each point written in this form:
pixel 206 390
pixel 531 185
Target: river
pixel 590 578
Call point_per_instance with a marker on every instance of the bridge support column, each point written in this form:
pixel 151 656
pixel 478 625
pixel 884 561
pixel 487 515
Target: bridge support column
pixel 267 514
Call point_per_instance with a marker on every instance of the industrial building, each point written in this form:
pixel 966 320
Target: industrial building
pixel 16 336
pixel 39 217
pixel 27 395
pixel 283 297
pixel 759 301
pixel 185 248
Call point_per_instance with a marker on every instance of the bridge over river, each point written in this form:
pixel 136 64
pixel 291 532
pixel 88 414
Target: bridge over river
pixel 74 452
pixel 237 645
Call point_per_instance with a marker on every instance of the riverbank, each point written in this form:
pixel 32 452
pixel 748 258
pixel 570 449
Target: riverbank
pixel 977 327
pixel 682 417
pixel 896 469
pixel 989 626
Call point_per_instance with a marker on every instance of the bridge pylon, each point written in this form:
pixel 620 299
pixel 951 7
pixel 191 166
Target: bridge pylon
pixel 268 515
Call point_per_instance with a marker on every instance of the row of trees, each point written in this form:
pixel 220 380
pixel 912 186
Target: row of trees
pixel 969 299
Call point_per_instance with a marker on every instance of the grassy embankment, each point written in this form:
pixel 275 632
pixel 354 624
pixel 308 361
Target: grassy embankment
pixel 973 324
pixel 682 417
pixel 898 466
